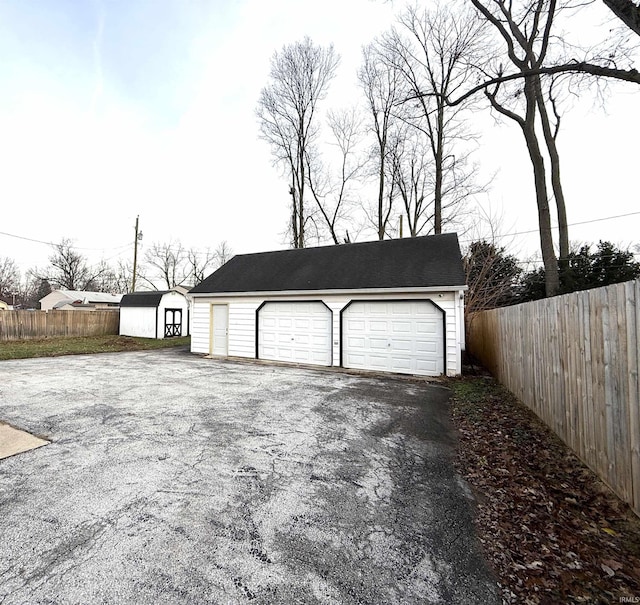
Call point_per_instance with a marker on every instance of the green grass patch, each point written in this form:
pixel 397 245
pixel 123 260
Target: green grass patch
pixel 53 347
pixel 474 394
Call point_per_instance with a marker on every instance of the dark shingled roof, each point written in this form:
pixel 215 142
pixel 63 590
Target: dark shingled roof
pixel 418 262
pixel 143 299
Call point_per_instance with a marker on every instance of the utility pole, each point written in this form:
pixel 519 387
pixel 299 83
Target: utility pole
pixel 135 255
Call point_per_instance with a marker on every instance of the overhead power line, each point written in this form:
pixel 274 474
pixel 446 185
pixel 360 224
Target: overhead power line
pixel 39 241
pixel 595 220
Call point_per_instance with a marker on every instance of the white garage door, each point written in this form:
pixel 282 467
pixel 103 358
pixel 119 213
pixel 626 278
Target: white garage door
pixel 404 336
pixel 298 332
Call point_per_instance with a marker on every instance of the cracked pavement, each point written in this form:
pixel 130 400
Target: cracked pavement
pixel 177 479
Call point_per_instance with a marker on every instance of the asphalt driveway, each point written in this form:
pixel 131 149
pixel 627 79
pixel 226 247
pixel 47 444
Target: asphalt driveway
pixel 177 479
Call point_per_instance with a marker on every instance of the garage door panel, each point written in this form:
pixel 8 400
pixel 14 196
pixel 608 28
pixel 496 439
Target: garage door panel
pixel 378 362
pixel 269 322
pixel 296 332
pixel 401 364
pixel 356 325
pixel 355 343
pixel 403 346
pixel 370 309
pixel 423 327
pixel 379 344
pixel 378 326
pixel 424 346
pixel 395 336
pixel 400 309
pixel 399 327
pixel 356 360
pixel 427 366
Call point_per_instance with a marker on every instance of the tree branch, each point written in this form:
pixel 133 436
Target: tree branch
pixel 627 11
pixel 626 75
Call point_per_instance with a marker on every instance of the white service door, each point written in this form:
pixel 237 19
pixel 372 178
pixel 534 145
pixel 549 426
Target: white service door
pixel 220 330
pixel 298 332
pixel 404 336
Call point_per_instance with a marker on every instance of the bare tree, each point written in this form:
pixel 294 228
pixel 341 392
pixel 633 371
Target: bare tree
pixel 116 279
pixel 9 277
pixel 200 264
pixel 435 50
pixel 332 188
pixel 166 263
pixel 527 36
pixel 492 276
pixel 526 30
pixel 287 112
pixel 223 253
pixel 381 83
pixel 69 269
pixel 411 171
pixel 32 289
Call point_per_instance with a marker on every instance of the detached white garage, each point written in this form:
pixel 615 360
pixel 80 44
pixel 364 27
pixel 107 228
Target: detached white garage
pixel 154 314
pixel 392 306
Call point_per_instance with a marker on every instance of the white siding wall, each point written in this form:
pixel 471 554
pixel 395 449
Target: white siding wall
pixel 242 327
pixel 138 321
pixel 242 321
pixel 200 328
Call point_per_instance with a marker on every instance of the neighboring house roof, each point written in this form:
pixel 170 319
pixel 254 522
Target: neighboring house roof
pixel 68 305
pixel 143 299
pixel 85 297
pixel 418 262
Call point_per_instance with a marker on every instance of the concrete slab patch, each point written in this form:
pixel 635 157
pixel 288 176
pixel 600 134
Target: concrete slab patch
pixel 14 441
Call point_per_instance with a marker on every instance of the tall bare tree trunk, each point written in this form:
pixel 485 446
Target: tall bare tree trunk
pixel 527 125
pixel 439 159
pixel 301 182
pixel 556 183
pixel 552 279
pixel 381 196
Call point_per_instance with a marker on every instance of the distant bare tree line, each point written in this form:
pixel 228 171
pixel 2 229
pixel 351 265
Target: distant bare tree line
pixel 164 266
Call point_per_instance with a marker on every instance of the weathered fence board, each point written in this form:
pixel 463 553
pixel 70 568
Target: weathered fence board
pixel 574 360
pixel 24 325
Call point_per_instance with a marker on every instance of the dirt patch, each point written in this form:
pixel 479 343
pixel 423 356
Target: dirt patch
pixel 552 530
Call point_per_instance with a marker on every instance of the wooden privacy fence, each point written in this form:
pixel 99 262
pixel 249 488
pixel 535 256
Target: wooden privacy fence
pixel 19 325
pixel 573 360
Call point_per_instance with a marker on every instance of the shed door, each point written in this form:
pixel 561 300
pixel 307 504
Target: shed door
pixel 172 322
pixel 394 336
pixel 295 331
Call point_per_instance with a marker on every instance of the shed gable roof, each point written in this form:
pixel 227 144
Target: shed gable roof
pixel 151 298
pixel 418 262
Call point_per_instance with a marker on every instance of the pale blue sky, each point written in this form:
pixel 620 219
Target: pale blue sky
pixel 110 109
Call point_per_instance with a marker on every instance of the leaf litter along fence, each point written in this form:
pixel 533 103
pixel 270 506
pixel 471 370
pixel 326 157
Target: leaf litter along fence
pixel 25 325
pixel 574 360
